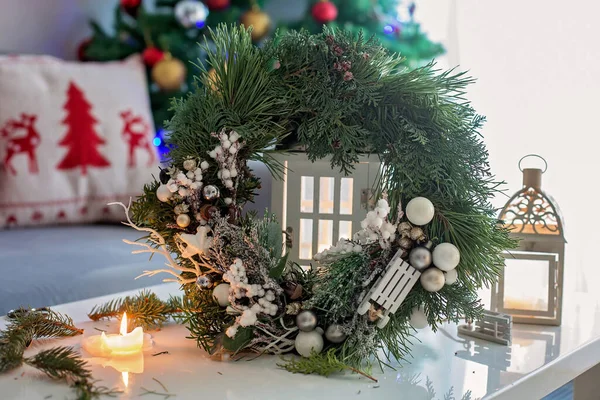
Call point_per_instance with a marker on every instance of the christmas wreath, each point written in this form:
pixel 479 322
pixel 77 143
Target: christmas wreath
pixel 428 244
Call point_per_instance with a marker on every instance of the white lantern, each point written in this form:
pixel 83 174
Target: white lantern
pixel 318 204
pixel 530 287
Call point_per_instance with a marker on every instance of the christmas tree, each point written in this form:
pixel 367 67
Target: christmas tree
pixel 167 36
pixel 81 139
pixel 392 22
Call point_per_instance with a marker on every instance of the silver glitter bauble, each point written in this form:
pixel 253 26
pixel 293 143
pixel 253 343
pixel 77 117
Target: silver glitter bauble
pixel 191 13
pixel 204 281
pixel 211 192
pixel 306 321
pixel 420 258
pixel 334 334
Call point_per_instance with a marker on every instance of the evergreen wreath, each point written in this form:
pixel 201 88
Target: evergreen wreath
pixel 335 95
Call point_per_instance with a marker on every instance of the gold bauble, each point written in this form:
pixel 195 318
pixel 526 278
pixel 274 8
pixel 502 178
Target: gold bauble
pixel 169 73
pixel 259 20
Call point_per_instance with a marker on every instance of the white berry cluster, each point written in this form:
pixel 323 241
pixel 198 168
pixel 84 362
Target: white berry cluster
pixel 376 227
pixel 342 247
pixel 261 300
pixel 226 155
pixel 184 183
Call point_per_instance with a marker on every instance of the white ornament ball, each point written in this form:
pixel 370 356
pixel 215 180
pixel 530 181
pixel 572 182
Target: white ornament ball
pixel 163 193
pixel 183 220
pixel 446 256
pixel 432 279
pixel 420 211
pixel 451 277
pixel 418 319
pixel 335 334
pixel 307 342
pixel 221 294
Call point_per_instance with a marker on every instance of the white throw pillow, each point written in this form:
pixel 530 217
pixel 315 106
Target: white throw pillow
pixel 73 137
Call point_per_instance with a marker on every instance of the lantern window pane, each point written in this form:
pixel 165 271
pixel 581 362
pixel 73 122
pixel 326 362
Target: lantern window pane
pixel 326 188
pixel 346 187
pixel 305 239
pixel 345 230
pixel 325 234
pixel 307 190
pixel 526 284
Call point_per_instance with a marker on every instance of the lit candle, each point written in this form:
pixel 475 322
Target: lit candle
pixel 122 344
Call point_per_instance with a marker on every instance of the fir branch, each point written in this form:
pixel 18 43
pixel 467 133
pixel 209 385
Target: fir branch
pixel 60 363
pixel 323 364
pixel 145 309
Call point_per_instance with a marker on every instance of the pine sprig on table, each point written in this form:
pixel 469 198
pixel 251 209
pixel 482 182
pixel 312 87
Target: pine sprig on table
pixel 323 364
pixel 62 363
pixel 145 309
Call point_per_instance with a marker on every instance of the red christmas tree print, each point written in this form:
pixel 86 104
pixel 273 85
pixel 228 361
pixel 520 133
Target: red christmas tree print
pixel 81 138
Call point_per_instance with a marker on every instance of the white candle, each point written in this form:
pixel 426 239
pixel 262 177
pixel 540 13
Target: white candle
pixel 122 344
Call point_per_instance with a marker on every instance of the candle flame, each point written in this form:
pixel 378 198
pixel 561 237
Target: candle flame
pixel 123 330
pixel 125 376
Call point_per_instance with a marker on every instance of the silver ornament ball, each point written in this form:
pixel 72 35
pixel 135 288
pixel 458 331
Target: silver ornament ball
pixel 306 321
pixel 211 192
pixel 420 258
pixel 191 13
pixel 432 279
pixel 204 281
pixel 335 334
pixel 308 342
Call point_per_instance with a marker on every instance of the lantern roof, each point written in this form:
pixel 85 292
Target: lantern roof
pixel 531 211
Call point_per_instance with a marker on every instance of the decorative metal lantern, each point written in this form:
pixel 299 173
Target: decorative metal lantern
pixel 530 287
pixel 318 205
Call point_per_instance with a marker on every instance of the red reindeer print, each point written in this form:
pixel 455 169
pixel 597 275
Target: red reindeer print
pixel 136 132
pixel 37 216
pixel 11 220
pixel 22 138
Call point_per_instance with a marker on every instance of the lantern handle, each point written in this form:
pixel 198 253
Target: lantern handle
pixel 534 155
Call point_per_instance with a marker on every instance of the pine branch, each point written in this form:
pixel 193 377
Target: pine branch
pixel 323 364
pixel 60 363
pixel 145 309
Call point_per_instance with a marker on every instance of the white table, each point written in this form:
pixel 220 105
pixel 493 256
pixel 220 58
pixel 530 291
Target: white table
pixel 540 360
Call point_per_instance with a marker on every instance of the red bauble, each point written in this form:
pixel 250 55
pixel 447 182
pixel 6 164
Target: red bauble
pixel 81 49
pixel 217 5
pixel 152 55
pixel 131 6
pixel 324 11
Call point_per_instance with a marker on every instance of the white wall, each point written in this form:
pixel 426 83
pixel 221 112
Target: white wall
pixel 538 69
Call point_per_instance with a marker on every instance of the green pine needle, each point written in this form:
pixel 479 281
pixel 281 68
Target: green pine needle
pixel 323 364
